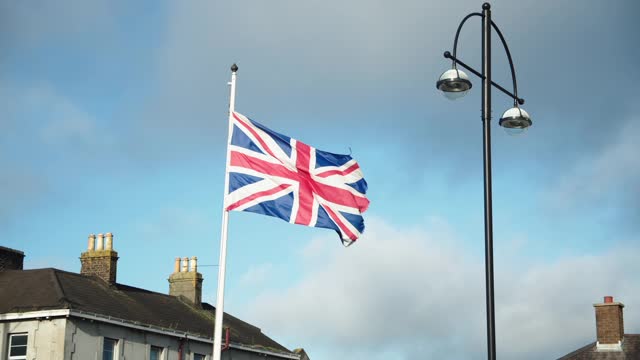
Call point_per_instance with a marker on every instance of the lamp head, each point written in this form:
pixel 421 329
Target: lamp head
pixel 515 121
pixel 454 84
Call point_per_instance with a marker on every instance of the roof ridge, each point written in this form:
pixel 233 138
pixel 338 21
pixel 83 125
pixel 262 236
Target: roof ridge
pixel 68 272
pixel 39 269
pixel 115 285
pixel 118 285
pixel 93 277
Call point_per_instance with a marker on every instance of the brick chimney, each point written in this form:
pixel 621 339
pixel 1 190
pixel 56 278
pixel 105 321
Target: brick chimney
pixel 186 281
pixel 100 259
pixel 10 259
pixel 609 325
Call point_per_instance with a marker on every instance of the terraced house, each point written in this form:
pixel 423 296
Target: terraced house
pixel 54 314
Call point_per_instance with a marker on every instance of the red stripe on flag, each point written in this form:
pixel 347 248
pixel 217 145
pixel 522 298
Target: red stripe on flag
pixel 347 171
pixel 305 191
pixel 340 224
pixel 341 196
pixel 267 168
pixel 257 195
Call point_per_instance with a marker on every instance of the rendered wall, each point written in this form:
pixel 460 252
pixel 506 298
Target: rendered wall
pixel 46 338
pixel 84 340
pixel 80 339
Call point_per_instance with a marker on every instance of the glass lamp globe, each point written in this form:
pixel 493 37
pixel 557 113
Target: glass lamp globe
pixel 454 84
pixel 515 121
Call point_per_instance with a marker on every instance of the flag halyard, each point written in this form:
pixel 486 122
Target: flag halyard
pixel 275 175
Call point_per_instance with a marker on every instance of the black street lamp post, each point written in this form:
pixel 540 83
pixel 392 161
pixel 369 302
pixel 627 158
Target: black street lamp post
pixel 454 83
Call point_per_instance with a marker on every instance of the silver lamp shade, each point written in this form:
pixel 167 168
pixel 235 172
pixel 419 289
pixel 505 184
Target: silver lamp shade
pixel 454 84
pixel 515 121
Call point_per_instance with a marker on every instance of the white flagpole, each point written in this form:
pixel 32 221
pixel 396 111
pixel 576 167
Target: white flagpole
pixel 222 264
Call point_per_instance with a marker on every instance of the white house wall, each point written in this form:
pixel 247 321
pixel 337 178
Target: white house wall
pixel 45 338
pixel 85 340
pixel 74 338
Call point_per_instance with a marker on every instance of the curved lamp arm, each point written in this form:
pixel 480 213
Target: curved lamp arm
pixel 516 99
pixel 455 41
pixel 513 70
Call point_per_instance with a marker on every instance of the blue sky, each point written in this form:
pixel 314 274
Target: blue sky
pixel 113 119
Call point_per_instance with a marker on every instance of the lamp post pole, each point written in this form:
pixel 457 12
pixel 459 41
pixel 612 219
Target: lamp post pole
pixel 488 206
pixel 454 83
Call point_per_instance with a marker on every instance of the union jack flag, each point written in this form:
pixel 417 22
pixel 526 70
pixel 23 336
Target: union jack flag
pixel 275 175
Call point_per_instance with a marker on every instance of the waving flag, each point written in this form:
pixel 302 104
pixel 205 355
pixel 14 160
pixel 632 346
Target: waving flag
pixel 275 175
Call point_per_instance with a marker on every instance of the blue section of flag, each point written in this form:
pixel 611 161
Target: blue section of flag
pixel 236 180
pixel 280 208
pixel 324 221
pixel 324 158
pixel 241 139
pixel 355 220
pixel 360 185
pixel 283 141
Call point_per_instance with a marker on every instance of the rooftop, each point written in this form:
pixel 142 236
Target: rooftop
pixel 2 248
pixel 630 350
pixel 51 289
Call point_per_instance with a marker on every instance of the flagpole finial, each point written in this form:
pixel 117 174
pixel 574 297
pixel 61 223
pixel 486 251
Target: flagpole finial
pixel 234 68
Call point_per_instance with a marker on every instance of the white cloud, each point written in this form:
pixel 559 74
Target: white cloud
pixel 614 169
pixel 416 293
pixel 256 275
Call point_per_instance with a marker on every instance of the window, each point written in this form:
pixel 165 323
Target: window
pixel 17 346
pixel 156 353
pixel 109 347
pixel 199 357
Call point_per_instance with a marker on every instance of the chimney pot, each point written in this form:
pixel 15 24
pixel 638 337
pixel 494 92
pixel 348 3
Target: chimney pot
pixel 185 264
pixel 176 266
pixel 100 242
pixel 92 242
pixel 608 299
pixel 194 264
pixel 108 241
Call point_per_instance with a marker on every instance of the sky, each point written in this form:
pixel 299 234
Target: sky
pixel 113 119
